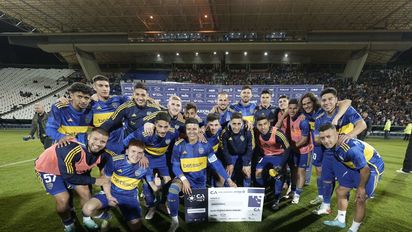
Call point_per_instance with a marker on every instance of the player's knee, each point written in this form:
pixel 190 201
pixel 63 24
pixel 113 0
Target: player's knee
pixel 89 209
pixel 62 202
pixel 341 192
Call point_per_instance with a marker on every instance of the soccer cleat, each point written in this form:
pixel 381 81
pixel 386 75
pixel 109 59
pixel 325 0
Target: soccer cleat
pixel 104 216
pixel 335 223
pixel 296 199
pixel 90 224
pixel 316 201
pixel 69 228
pixel 322 211
pixel 173 226
pixel 275 206
pixel 150 213
pixel 402 171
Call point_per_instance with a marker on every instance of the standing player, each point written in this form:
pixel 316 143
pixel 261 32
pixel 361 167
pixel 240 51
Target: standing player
pixel 283 122
pixel 302 147
pixel 104 107
pixel 237 149
pixel 131 113
pixel 213 135
pixel 265 107
pixel 191 112
pixel 125 174
pixel 190 159
pixel 156 146
pixel 221 107
pixel 68 121
pixel 361 170
pixel 67 167
pixel 349 126
pixel 244 106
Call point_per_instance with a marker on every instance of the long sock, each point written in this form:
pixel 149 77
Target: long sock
pixel 327 192
pixel 341 216
pixel 278 188
pixel 173 199
pixel 259 181
pixel 355 226
pixel 319 183
pixel 246 182
pixel 148 195
pixel 68 221
pixel 165 191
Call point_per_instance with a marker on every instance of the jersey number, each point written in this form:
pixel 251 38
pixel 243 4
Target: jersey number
pixel 49 178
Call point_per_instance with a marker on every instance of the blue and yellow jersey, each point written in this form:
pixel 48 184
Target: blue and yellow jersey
pixel 247 111
pixel 65 120
pixel 102 111
pixel 345 124
pixel 129 114
pixel 214 140
pixel 125 176
pixel 240 144
pixel 177 122
pixel 270 112
pixel 191 161
pixel 154 144
pixel 356 154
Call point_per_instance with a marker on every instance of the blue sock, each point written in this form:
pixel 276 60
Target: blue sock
pixel 278 188
pixel 259 181
pixel 246 182
pixel 319 182
pixel 165 191
pixel 68 221
pixel 173 199
pixel 327 192
pixel 299 191
pixel 148 195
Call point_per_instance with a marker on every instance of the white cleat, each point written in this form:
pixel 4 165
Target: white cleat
pixel 322 211
pixel 174 225
pixel 296 199
pixel 316 201
pixel 150 213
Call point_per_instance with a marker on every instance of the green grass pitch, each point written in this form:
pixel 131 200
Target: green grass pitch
pixel 24 206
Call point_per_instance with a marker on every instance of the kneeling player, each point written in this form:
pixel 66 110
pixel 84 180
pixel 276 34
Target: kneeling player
pixel 189 159
pixel 68 167
pixel 357 165
pixel 125 174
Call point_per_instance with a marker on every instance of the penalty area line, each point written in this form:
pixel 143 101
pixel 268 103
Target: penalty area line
pixel 15 163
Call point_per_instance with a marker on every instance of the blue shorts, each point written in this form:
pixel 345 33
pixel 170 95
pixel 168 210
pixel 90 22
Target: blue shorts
pixel 301 160
pixel 328 164
pixel 350 178
pixel 129 204
pixel 54 184
pixel 317 156
pixel 159 163
pixel 272 160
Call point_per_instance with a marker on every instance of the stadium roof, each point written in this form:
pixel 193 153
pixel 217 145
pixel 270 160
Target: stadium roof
pixel 297 19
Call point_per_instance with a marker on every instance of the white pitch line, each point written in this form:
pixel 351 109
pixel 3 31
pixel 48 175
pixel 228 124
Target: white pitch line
pixel 19 162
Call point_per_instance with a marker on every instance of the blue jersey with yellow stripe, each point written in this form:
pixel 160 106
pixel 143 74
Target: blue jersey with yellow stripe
pixel 214 140
pixel 176 122
pixel 345 124
pixel 64 120
pixel 129 114
pixel 271 113
pixel 154 144
pixel 125 177
pixel 191 160
pixel 102 111
pixel 356 154
pixel 246 110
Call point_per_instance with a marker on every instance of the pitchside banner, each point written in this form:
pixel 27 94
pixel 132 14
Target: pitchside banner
pixel 205 95
pixel 224 205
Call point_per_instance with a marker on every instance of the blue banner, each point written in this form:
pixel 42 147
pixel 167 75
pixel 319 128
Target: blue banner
pixel 205 96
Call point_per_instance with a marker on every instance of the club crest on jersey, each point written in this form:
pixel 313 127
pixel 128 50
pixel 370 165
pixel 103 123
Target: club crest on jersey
pixel 138 172
pixel 148 113
pixel 242 138
pixel 201 150
pixel 88 119
pixel 251 110
pixel 115 105
pixel 167 141
pixel 176 127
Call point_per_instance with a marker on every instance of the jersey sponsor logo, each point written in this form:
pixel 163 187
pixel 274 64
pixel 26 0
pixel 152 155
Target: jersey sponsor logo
pixel 99 119
pixel 124 182
pixel 193 164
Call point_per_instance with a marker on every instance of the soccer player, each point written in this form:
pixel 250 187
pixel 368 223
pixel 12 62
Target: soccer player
pixel 221 107
pixel 104 107
pixel 191 112
pixel 311 108
pixel 131 113
pixel 302 147
pixel 125 174
pixel 283 122
pixel 237 149
pixel 275 149
pixel 68 121
pixel 357 166
pixel 156 146
pixel 265 107
pixel 190 159
pixel 38 126
pixel 349 126
pixel 213 135
pixel 68 167
pixel 244 106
